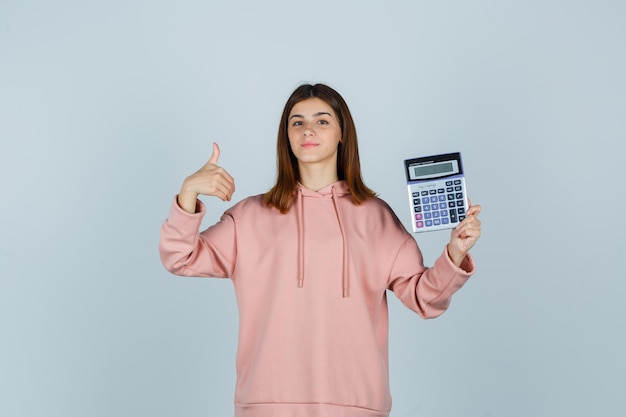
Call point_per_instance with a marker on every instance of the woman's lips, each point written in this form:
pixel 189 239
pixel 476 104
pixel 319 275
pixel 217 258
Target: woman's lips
pixel 308 145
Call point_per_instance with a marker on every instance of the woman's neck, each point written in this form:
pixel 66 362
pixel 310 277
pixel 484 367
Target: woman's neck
pixel 315 178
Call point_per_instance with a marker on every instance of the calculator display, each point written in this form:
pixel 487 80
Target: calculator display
pixel 437 195
pixel 433 169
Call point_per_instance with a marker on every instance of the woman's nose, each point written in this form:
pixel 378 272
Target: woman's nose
pixel 308 130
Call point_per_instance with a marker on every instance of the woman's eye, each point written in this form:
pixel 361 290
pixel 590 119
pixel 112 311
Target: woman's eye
pixel 297 123
pixel 323 122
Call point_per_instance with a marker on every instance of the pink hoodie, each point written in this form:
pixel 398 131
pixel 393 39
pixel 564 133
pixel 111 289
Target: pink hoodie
pixel 311 287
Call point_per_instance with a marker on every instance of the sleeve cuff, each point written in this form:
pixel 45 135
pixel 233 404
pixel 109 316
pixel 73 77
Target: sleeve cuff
pixel 468 266
pixel 200 208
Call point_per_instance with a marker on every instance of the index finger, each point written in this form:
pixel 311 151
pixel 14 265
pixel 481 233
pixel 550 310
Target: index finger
pixel 474 210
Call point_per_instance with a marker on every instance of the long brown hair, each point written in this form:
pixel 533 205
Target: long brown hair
pixel 348 164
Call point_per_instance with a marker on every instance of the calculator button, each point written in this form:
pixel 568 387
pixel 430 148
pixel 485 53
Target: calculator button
pixel 416 194
pixel 433 199
pixel 461 218
pixel 451 204
pixel 453 216
pixel 448 183
pixel 450 196
pixel 424 192
pixel 435 214
pixel 442 205
pixel 457 188
pixel 461 210
pixel 444 213
pixel 440 191
pixel 436 222
pixel 418 217
pixel 445 220
pixel 429 223
pixel 459 195
pixel 433 192
pixel 442 198
pixel 460 203
pixel 457 182
pixel 416 201
pixel 426 207
pixel 419 224
pixel 449 189
pixel 427 215
pixel 418 209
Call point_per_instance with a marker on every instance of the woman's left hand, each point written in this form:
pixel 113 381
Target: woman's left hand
pixel 465 235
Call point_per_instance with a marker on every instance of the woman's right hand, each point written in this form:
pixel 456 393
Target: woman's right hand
pixel 211 179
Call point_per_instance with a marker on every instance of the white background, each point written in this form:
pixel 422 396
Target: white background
pixel 106 106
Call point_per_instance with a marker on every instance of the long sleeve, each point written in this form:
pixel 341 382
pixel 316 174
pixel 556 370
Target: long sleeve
pixel 187 252
pixel 427 291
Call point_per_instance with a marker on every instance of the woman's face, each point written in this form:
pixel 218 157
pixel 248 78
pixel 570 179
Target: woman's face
pixel 314 133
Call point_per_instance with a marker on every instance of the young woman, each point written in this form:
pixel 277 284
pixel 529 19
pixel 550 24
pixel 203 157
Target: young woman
pixel 311 262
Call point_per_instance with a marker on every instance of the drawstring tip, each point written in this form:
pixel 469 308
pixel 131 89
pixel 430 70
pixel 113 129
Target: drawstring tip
pixel 345 292
pixel 300 283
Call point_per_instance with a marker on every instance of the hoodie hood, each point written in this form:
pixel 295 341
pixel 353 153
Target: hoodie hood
pixel 340 188
pixel 333 192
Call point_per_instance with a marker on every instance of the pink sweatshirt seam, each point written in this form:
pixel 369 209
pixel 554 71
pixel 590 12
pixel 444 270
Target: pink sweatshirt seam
pixel 395 259
pixel 310 403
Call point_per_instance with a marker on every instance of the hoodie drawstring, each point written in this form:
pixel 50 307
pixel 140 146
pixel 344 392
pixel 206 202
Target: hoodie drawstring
pixel 344 277
pixel 344 261
pixel 300 240
pixel 345 287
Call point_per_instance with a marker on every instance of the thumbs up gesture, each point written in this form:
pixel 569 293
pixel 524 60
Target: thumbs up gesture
pixel 211 179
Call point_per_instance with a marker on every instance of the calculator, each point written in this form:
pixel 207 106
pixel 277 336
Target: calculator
pixel 437 193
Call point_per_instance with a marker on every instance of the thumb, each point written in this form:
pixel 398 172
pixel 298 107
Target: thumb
pixel 215 155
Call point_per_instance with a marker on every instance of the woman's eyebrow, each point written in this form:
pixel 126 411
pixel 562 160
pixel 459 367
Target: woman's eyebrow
pixel 321 113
